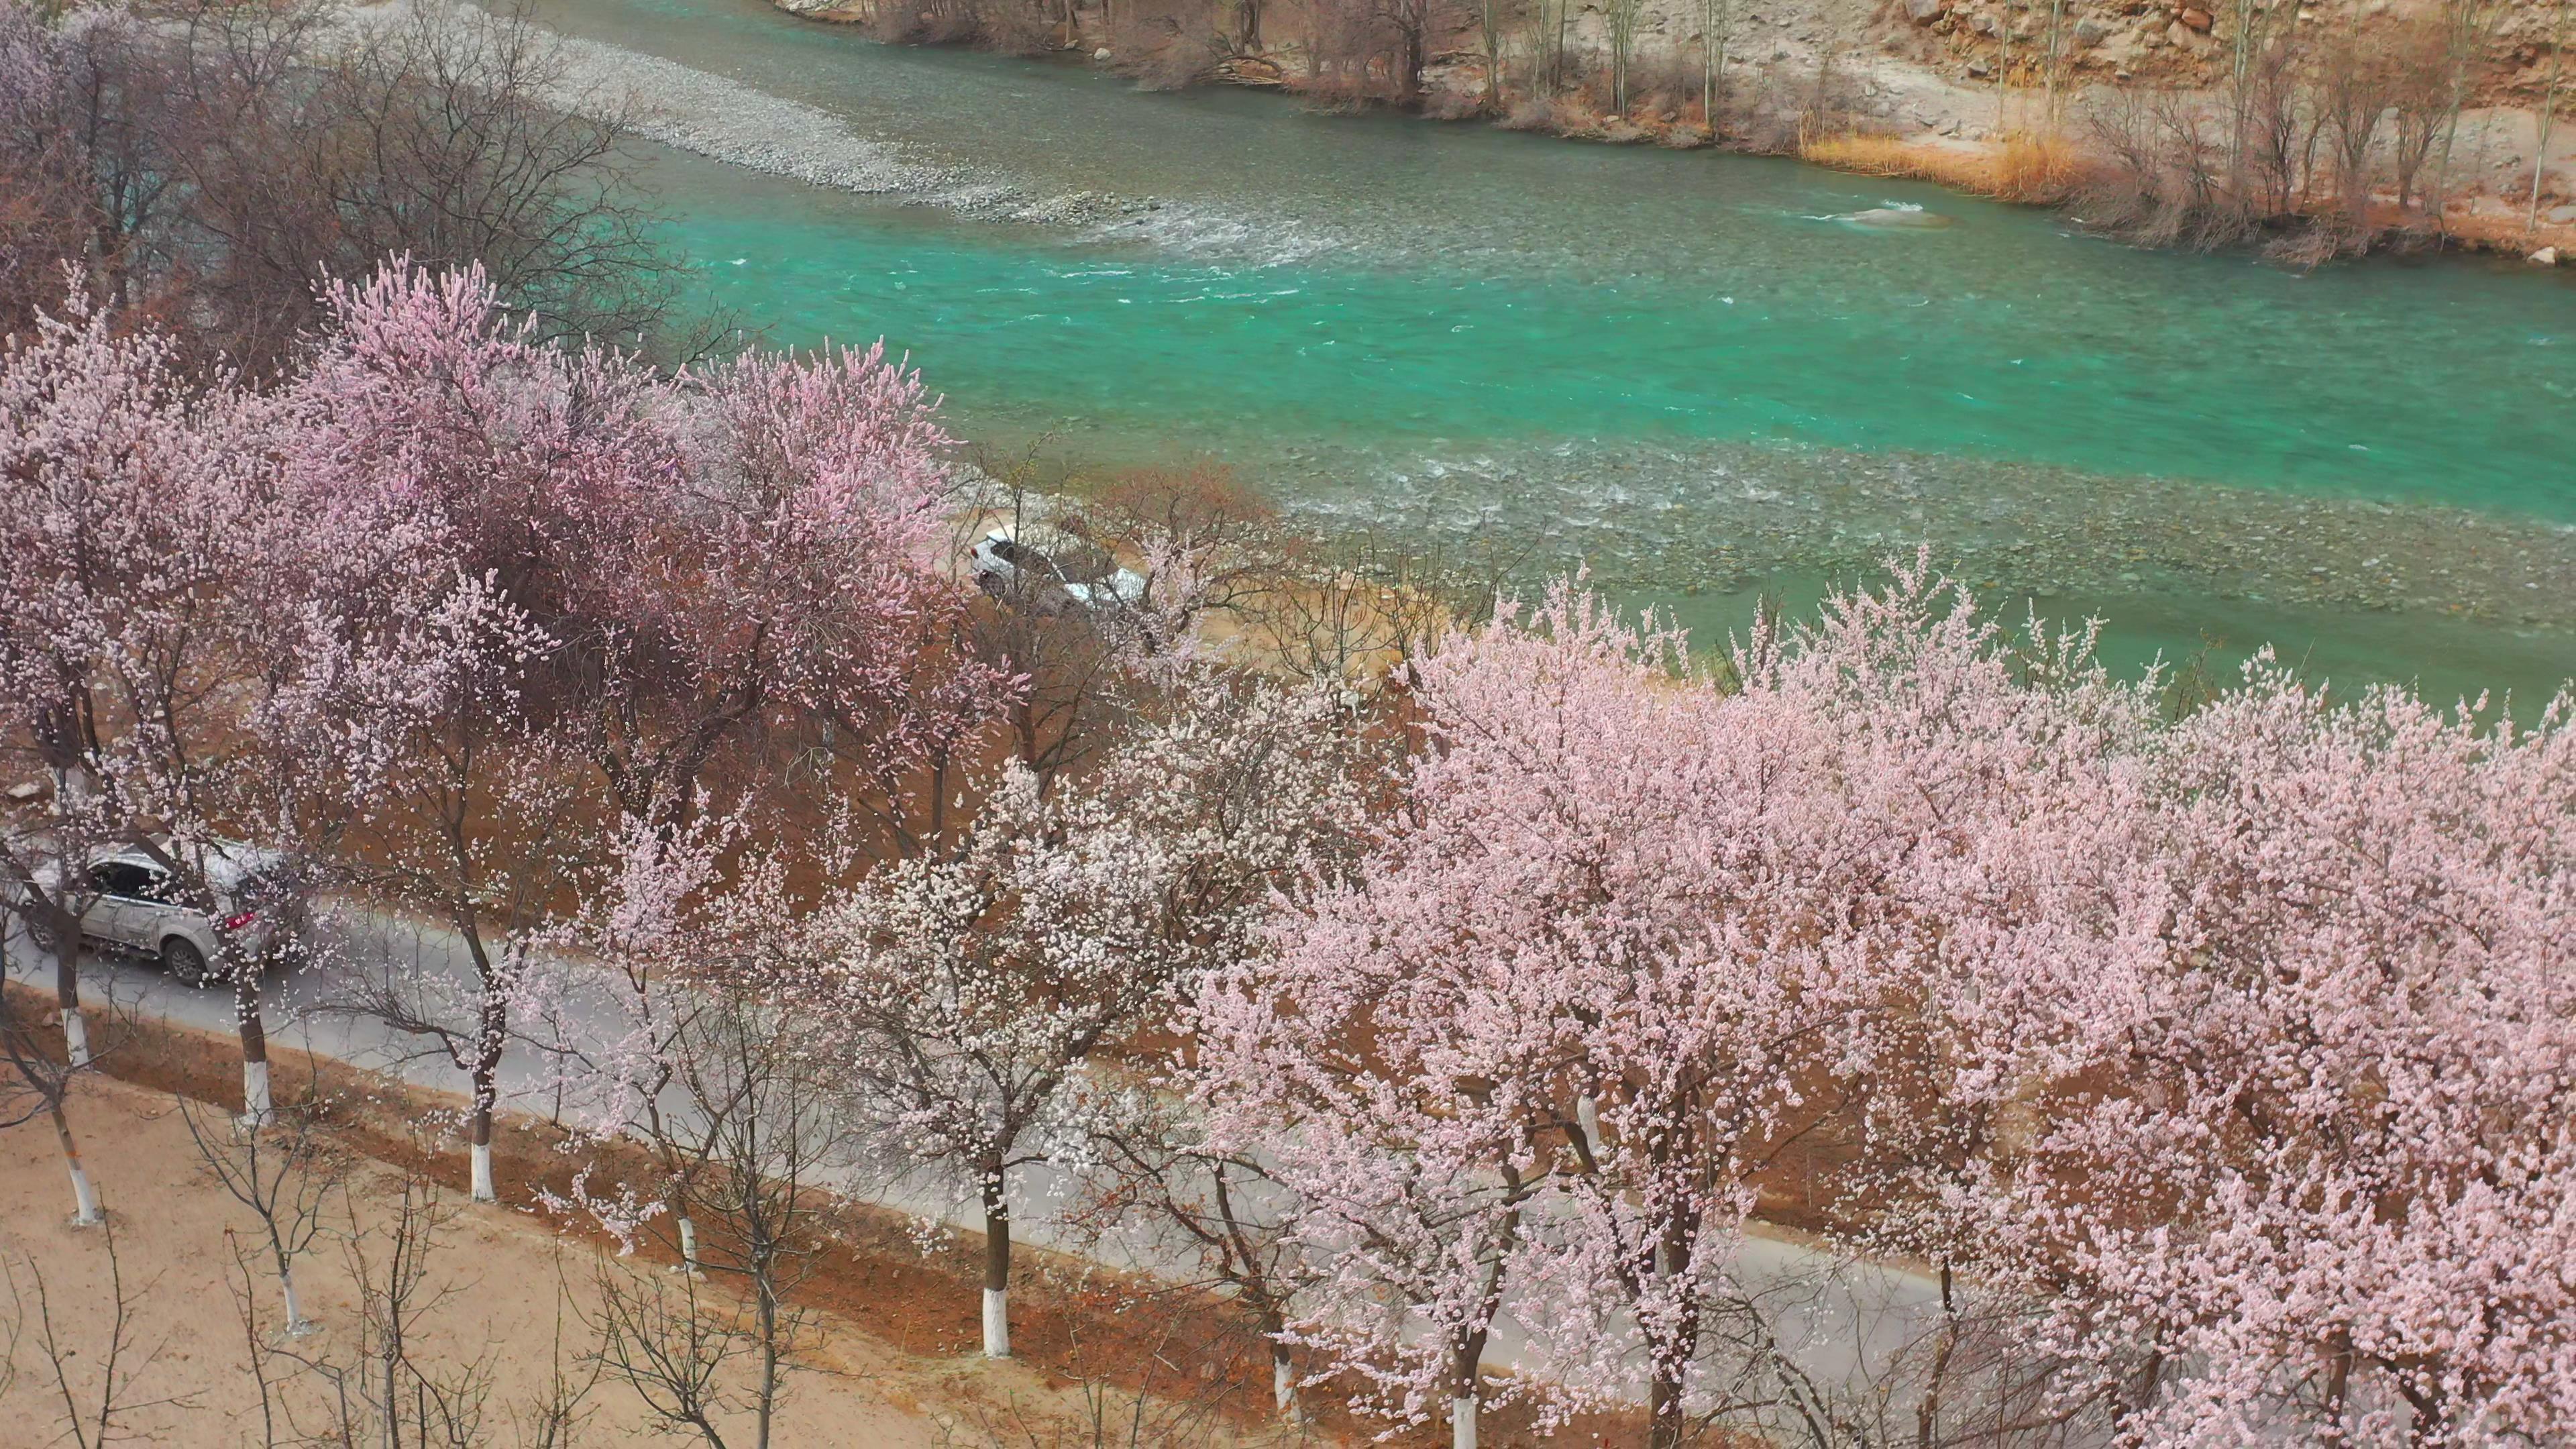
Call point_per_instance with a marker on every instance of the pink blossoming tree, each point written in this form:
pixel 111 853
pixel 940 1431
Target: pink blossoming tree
pixel 2296 1158
pixel 969 993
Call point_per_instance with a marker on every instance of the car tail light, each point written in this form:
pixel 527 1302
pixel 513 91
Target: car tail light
pixel 238 919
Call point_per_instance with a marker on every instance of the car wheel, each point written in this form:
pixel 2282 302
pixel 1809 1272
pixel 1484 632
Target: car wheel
pixel 185 963
pixel 41 936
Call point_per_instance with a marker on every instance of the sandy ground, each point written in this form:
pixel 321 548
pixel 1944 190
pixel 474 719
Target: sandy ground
pixel 511 1294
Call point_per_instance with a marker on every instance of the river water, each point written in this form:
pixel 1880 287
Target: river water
pixel 1687 370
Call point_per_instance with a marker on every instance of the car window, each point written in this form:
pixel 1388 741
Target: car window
pixel 121 878
pixel 1006 551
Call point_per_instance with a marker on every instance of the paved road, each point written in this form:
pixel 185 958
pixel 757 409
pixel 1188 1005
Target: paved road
pixel 1839 1321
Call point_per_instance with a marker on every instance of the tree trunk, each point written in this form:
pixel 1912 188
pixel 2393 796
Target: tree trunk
pixel 297 1325
pixel 1664 1422
pixel 997 1268
pixel 482 1142
pixel 2548 113
pixel 1283 1374
pixel 768 1406
pixel 258 1110
pixel 1708 84
pixel 1927 1412
pixel 66 929
pixel 84 1196
pixel 1465 1363
pixel 2338 1386
pixel 487 1065
pixel 2056 64
pixel 1664 1411
pixel 689 1246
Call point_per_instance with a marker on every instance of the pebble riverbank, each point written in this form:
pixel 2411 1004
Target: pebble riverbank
pixel 726 120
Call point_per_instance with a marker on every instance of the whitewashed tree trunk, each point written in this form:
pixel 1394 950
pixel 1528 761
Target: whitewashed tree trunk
pixel 689 1246
pixel 1462 1423
pixel 76 1035
pixel 259 1108
pixel 997 1323
pixel 483 1173
pixel 1283 1385
pixel 997 1266
pixel 84 1198
pixel 297 1325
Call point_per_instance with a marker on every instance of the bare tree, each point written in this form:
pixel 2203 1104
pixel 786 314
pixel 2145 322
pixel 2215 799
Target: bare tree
pixel 1204 542
pixel 39 1084
pixel 285 1171
pixel 2353 87
pixel 385 1384
pixel 90 1412
pixel 665 1340
pixel 394 1394
pixel 1619 19
pixel 243 152
pixel 2282 144
pixel 1077 688
pixel 49 214
pixel 2255 30
pixel 1493 19
pixel 1410 26
pixel 2466 27
pixel 256 1354
pixel 1716 31
pixel 2548 111
pixel 1550 25
pixel 2410 57
pixel 1155 1178
pixel 757 1125
pixel 1344 609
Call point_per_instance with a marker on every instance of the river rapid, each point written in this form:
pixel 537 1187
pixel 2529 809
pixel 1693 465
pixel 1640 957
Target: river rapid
pixel 1704 376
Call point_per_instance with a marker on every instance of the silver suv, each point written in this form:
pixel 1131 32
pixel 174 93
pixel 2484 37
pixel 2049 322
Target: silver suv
pixel 135 907
pixel 1066 574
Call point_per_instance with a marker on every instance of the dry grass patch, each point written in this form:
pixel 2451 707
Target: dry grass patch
pixel 2021 168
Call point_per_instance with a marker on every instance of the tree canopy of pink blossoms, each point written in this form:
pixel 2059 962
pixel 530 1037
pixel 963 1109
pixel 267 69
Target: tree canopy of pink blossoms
pixel 613 575
pixel 2229 1055
pixel 2298 1150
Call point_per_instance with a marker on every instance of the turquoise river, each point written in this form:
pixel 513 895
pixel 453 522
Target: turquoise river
pixel 1682 368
